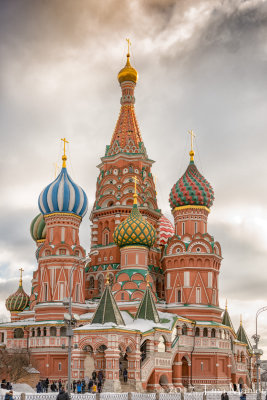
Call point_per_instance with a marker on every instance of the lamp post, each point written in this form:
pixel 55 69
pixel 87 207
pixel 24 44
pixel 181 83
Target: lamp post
pixel 70 319
pixel 258 352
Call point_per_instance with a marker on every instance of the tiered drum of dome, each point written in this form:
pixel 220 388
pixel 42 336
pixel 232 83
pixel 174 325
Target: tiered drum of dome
pixel 148 300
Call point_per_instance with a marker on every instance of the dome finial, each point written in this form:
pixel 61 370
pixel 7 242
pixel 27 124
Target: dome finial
pixel 192 153
pixel 129 44
pixel 20 281
pixel 226 305
pixel 147 279
pixel 64 157
pixel 241 320
pixel 128 73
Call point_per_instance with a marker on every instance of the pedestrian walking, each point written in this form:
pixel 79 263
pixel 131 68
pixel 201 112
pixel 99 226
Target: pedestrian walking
pixel 125 375
pixel 9 395
pixel 62 394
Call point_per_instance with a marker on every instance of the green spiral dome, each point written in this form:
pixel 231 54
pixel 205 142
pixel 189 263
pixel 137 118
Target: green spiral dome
pixel 17 301
pixel 135 231
pixel 38 228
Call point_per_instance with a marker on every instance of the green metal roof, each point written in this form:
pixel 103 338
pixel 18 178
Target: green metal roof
pixel 242 336
pixel 107 310
pixel 226 320
pixel 147 309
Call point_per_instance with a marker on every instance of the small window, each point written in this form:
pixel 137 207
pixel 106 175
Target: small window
pixel 45 291
pixel 106 238
pixel 2 337
pixel 33 332
pixel 59 366
pixel 47 253
pixel 184 330
pixel 195 227
pixel 198 249
pixel 205 332
pixel 183 228
pixel 213 333
pixel 63 331
pixel 178 250
pixel 91 282
pixel 62 252
pixel 122 296
pixel 18 333
pixel 38 331
pixel 53 331
pixel 44 331
pixel 179 296
pixel 197 332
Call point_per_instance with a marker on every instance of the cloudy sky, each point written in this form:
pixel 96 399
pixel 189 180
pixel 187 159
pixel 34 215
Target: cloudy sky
pixel 202 65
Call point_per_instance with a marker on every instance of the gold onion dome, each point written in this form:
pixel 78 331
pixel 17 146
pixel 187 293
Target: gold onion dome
pixel 128 73
pixel 19 300
pixel 135 230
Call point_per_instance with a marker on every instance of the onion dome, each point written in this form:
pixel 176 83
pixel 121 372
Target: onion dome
pixel 135 230
pixel 63 195
pixel 19 300
pixel 38 228
pixel 166 230
pixel 192 189
pixel 128 73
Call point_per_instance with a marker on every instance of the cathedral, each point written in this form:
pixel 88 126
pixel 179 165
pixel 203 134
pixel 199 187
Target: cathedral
pixel 146 299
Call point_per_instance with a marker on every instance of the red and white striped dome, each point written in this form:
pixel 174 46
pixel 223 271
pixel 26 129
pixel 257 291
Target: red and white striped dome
pixel 166 230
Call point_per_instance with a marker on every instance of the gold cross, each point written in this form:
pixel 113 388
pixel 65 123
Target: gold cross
pixel 147 279
pixel 129 44
pixel 226 305
pixel 64 157
pixel 192 153
pixel 191 133
pixel 20 281
pixel 107 281
pixel 135 194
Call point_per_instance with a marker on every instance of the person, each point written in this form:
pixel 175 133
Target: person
pixel 222 396
pixel 226 397
pixel 94 388
pixel 94 375
pixel 9 395
pixel 39 387
pixel 125 375
pixel 62 394
pixel 99 386
pixel 79 387
pixel 53 387
pixel 83 386
pixel 74 384
pixel 59 385
pixel 243 396
pixel 90 385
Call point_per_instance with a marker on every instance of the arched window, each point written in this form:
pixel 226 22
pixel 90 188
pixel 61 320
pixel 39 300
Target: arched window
pixel 91 282
pixel 184 329
pixel 205 332
pixel 105 237
pixel 38 331
pixel 197 333
pixel 44 331
pixel 53 331
pixel 179 296
pixel 213 333
pixel 18 333
pixel 63 331
pixel 33 332
pixel 162 345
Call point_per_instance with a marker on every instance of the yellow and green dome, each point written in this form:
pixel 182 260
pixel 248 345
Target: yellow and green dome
pixel 38 228
pixel 135 231
pixel 17 301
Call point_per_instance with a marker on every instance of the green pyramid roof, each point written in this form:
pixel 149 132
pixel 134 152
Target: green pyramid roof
pixel 226 320
pixel 107 310
pixel 242 336
pixel 147 308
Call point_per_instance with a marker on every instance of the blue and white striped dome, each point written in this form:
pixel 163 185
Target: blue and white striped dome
pixel 63 195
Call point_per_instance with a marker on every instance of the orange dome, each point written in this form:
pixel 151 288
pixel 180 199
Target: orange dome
pixel 128 73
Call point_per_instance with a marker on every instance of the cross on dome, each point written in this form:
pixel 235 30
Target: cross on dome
pixel 20 281
pixel 64 157
pixel 192 153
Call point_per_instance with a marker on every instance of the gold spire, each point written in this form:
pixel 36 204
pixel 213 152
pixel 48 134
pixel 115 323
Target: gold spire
pixel 107 281
pixel 20 281
pixel 135 194
pixel 128 73
pixel 240 319
pixel 64 157
pixel 147 279
pixel 191 152
pixel 226 305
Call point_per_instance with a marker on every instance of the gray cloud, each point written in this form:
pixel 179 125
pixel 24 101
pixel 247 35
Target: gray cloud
pixel 202 66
